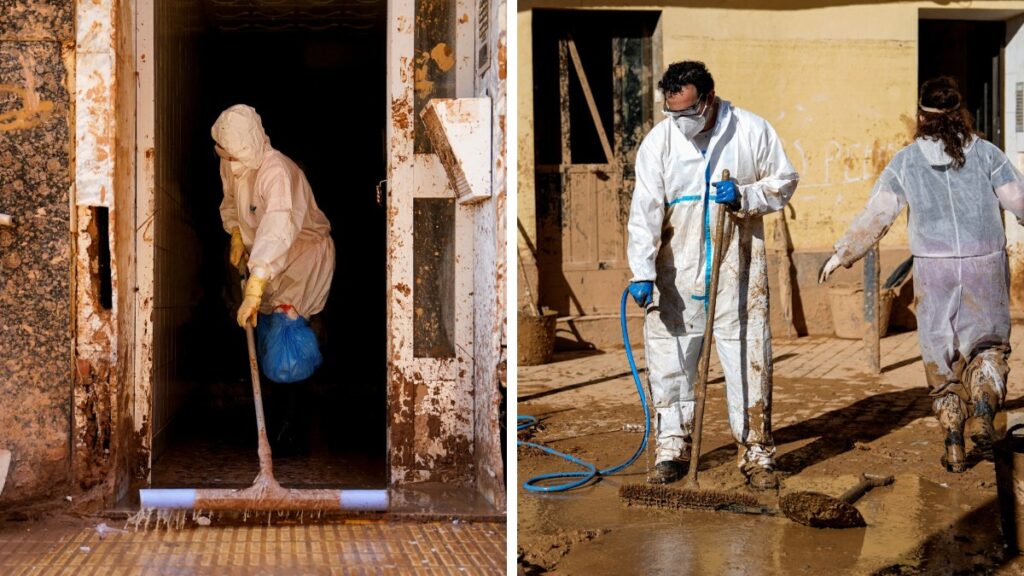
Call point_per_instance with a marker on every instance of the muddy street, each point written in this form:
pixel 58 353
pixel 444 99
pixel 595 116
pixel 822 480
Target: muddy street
pixel 831 423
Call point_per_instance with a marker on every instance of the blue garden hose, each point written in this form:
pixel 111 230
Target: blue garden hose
pixel 589 472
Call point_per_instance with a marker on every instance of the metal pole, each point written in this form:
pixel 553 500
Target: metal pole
pixel 872 271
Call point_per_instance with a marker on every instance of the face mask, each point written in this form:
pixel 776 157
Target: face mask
pixel 691 125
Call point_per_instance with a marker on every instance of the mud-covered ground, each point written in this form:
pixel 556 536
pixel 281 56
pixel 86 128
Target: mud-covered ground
pixel 831 423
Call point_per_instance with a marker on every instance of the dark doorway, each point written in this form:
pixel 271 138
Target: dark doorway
pixel 970 52
pixel 319 86
pixel 593 104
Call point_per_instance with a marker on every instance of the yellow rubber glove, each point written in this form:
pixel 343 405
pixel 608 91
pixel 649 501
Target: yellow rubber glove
pixel 237 246
pixel 251 302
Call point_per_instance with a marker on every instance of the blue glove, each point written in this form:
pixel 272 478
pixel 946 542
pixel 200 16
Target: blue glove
pixel 642 292
pixel 727 193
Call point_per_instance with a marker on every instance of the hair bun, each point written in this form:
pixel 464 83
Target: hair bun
pixel 941 93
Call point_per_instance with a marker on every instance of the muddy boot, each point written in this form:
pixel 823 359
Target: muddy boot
pixel 982 428
pixel 951 413
pixel 955 458
pixel 668 471
pixel 763 479
pixel 985 400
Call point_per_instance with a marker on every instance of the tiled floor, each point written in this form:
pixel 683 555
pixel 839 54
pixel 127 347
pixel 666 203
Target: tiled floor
pixel 353 547
pixel 811 357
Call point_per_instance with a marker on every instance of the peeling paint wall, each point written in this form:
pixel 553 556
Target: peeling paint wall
pixel 430 399
pixel 145 230
pixel 36 79
pixel 443 408
pixel 489 284
pixel 837 81
pixel 399 137
pixel 122 226
pixel 102 443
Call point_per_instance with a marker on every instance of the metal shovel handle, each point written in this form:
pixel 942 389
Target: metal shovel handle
pixel 867 482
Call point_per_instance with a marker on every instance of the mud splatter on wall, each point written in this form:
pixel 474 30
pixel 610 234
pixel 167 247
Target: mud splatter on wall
pixel 489 286
pixel 35 253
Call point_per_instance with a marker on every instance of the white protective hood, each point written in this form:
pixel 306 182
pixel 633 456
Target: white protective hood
pixel 239 132
pixel 267 197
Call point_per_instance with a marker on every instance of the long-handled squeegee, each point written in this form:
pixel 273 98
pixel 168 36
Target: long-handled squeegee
pixel 265 494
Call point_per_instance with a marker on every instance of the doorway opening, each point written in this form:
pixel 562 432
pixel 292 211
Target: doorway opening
pixel 593 102
pixel 316 74
pixel 971 52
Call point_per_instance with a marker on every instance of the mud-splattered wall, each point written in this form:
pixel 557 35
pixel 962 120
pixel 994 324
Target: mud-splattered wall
pixel 489 281
pixel 36 48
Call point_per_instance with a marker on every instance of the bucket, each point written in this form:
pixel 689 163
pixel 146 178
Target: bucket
pixel 536 339
pixel 1009 456
pixel 848 311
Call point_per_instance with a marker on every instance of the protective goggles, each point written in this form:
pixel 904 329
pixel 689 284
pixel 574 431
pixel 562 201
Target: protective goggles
pixel 696 110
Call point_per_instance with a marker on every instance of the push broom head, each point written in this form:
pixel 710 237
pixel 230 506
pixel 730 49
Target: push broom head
pixel 659 496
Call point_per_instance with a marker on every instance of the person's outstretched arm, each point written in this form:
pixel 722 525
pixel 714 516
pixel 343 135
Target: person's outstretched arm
pixel 887 201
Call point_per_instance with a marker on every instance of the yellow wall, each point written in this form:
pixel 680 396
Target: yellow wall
pixel 839 90
pixel 526 206
pixel 839 83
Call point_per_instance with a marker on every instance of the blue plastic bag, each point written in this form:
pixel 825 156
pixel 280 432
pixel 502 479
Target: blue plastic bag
pixel 287 348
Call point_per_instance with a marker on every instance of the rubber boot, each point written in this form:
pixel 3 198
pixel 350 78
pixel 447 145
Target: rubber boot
pixel 668 471
pixel 989 367
pixel 982 427
pixel 952 414
pixel 763 479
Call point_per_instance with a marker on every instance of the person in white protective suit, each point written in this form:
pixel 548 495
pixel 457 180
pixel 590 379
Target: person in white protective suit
pixel 954 184
pixel 270 212
pixel 674 205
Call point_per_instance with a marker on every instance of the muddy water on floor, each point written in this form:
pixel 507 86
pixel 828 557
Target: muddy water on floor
pixel 916 524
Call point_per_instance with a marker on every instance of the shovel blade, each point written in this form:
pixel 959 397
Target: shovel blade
pixel 820 511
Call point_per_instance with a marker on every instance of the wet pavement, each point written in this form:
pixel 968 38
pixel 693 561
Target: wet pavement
pixel 831 422
pixel 68 546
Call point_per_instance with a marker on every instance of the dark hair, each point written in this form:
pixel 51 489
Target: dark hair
pixel 680 74
pixel 951 123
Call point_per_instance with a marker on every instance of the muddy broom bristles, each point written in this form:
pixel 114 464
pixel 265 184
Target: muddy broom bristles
pixel 674 498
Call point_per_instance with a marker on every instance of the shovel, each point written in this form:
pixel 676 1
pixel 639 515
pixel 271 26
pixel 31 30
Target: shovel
pixel 823 511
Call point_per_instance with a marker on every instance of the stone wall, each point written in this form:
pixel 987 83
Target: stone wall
pixel 36 48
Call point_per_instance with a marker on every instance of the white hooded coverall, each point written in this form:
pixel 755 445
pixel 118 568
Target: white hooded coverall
pixel 961 277
pixel 670 237
pixel 268 198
